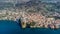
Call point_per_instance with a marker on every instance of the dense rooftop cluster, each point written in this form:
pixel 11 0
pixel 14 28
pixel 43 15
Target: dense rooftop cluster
pixel 33 13
pixel 40 21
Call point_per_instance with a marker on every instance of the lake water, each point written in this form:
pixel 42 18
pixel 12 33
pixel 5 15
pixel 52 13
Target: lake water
pixel 11 27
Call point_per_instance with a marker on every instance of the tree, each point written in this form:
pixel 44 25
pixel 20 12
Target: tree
pixel 32 23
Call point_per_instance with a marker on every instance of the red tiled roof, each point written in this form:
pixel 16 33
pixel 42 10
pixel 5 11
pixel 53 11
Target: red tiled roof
pixel 57 21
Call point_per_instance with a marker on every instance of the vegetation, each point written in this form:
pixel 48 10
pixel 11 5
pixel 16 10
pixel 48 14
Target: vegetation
pixel 32 23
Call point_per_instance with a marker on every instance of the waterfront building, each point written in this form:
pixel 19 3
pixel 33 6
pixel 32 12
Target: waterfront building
pixel 57 23
pixel 50 20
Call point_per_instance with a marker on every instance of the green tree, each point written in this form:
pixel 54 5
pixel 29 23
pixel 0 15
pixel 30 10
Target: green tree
pixel 32 23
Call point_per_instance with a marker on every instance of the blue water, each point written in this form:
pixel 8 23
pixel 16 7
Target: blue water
pixel 11 27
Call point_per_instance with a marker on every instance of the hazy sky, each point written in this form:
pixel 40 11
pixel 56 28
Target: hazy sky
pixel 41 0
pixel 25 0
pixel 12 0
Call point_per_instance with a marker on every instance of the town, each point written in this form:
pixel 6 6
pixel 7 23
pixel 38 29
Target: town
pixel 33 19
pixel 37 20
pixel 33 14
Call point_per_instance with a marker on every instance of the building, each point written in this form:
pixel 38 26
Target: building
pixel 57 23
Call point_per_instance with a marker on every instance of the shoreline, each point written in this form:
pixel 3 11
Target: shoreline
pixel 32 27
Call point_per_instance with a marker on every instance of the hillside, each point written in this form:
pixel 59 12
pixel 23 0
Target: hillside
pixel 40 6
pixel 46 8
